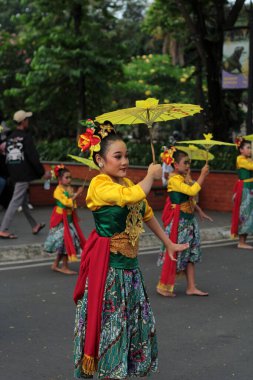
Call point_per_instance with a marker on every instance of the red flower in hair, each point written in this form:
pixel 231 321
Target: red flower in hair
pixel 57 168
pixel 238 141
pixel 88 141
pixel 167 156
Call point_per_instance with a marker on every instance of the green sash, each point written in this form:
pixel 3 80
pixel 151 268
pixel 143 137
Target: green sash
pixel 69 216
pixel 110 220
pixel 245 174
pixel 177 198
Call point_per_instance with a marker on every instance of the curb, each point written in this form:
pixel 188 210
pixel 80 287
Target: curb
pixel 149 243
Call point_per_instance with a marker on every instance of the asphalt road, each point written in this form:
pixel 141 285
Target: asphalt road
pixel 199 338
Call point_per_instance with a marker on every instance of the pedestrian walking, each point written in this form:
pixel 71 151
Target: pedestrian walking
pixel 24 166
pixel 181 225
pixel 115 334
pixel 242 214
pixel 65 236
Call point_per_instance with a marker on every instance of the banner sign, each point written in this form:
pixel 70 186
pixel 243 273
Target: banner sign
pixel 235 64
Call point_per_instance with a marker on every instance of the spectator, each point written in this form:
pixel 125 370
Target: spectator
pixel 2 159
pixel 24 166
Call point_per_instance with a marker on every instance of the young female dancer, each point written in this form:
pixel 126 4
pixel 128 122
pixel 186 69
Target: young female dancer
pixel 115 333
pixel 65 236
pixel 181 225
pixel 242 215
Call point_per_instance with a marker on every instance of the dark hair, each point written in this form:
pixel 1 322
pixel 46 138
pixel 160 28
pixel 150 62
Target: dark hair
pixel 106 141
pixel 61 172
pixel 178 155
pixel 242 145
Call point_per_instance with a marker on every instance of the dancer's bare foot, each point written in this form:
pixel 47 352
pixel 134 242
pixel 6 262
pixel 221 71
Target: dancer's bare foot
pixel 244 246
pixel 165 293
pixel 66 270
pixel 55 268
pixel 196 292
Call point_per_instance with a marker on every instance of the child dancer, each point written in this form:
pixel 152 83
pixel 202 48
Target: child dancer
pixel 65 236
pixel 181 225
pixel 242 215
pixel 115 333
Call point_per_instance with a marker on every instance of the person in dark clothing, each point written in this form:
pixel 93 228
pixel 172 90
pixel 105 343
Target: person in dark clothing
pixel 24 166
pixel 3 168
pixel 6 186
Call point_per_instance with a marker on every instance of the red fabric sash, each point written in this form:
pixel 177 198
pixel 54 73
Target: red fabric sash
pixel 68 241
pixel 94 267
pixel 236 209
pixel 167 213
pixel 168 273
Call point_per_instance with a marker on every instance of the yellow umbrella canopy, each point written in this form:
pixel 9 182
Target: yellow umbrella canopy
pixel 195 153
pixel 148 112
pixel 207 143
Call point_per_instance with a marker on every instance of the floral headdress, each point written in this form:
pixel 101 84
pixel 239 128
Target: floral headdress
pixel 88 140
pixel 167 155
pixel 55 171
pixel 238 141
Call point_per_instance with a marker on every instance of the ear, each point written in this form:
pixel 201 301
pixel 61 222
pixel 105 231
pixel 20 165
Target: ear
pixel 98 158
pixel 175 165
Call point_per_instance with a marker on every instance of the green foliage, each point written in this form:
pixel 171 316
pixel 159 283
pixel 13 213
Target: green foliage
pixel 139 154
pixel 69 55
pixel 224 159
pixel 57 150
pixel 154 76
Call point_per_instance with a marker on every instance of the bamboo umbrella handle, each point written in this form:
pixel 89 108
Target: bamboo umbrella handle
pixel 152 145
pixel 207 156
pixel 149 124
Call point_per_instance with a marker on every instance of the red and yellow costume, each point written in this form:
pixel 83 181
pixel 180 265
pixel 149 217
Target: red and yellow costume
pixel 108 266
pixel 178 214
pixel 242 221
pixel 64 213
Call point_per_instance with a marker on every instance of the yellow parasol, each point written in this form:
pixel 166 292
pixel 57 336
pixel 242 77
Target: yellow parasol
pixel 195 153
pixel 148 112
pixel 207 143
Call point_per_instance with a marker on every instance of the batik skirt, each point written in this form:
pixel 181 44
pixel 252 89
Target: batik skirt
pixel 55 240
pixel 246 213
pixel 188 232
pixel 128 344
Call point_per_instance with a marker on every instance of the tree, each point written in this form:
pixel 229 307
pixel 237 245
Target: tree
pixel 71 54
pixel 11 56
pixel 206 21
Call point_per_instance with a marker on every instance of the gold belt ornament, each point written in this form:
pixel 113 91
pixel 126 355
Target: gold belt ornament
pixel 120 243
pixel 187 207
pixel 59 210
pixel 248 180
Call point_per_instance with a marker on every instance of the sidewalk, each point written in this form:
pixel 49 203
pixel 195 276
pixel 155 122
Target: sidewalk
pixel 29 246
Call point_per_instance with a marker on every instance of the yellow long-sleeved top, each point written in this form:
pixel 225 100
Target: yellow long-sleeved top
pixel 61 196
pixel 104 192
pixel 177 183
pixel 244 163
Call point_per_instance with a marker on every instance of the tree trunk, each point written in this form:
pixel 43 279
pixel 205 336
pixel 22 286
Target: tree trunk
pixel 217 120
pixel 77 13
pixel 177 57
pixel 166 43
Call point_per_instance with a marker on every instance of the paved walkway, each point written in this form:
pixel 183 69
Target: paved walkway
pixel 31 245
